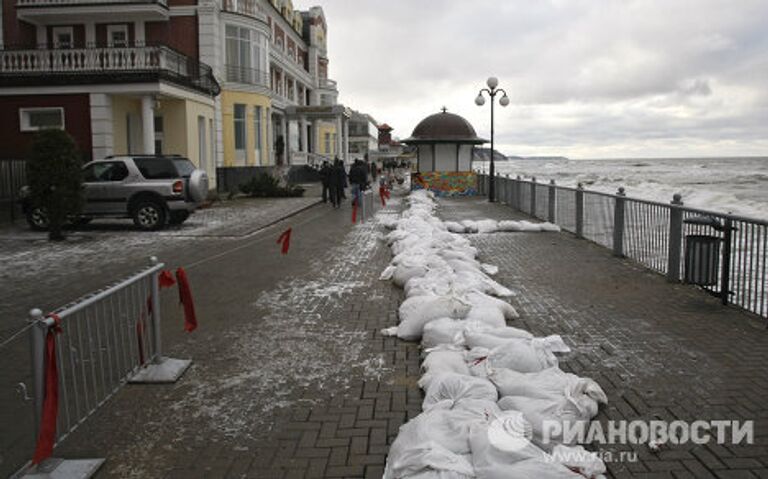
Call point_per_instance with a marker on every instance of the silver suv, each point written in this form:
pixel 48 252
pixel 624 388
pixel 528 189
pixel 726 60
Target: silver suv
pixel 153 190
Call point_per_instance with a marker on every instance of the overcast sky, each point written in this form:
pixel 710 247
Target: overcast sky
pixel 586 78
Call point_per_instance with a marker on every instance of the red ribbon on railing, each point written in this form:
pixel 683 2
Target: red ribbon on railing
pixel 285 239
pixel 47 435
pixel 354 210
pixel 185 297
pixel 165 279
pixel 383 195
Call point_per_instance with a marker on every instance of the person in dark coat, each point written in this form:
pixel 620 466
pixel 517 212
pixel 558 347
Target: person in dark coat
pixel 336 181
pixel 325 178
pixel 358 177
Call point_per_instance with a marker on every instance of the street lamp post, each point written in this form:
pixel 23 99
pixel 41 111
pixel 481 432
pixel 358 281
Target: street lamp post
pixel 492 83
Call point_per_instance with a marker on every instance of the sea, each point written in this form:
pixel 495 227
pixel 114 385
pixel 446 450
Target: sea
pixel 727 185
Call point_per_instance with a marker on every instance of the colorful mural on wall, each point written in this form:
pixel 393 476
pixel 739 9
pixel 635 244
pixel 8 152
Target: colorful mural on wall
pixel 446 183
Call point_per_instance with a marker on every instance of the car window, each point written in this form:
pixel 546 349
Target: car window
pixel 184 166
pixel 156 168
pixel 105 171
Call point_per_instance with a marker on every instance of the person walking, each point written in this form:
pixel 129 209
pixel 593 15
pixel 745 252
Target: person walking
pixel 358 178
pixel 325 178
pixel 336 182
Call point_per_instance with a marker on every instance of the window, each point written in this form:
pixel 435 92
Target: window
pixel 34 119
pixel 63 37
pixel 239 123
pixel 257 133
pixel 328 144
pixel 105 171
pixel 164 168
pixel 117 36
pixel 238 47
pixel 159 135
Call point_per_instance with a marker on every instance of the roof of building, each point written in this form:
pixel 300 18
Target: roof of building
pixel 384 126
pixel 444 127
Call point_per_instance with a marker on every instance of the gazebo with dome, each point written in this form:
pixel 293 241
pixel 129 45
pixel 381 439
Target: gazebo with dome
pixel 444 148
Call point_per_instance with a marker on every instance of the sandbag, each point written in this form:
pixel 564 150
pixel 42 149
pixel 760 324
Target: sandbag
pixel 456 387
pixel 486 226
pixel 492 337
pixel 548 383
pixel 443 331
pixel 578 459
pixel 527 355
pixel 417 311
pixel 499 453
pixel 442 360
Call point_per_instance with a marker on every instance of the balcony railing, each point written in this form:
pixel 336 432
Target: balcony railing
pixel 104 61
pixel 250 76
pixel 244 7
pixel 56 3
pixel 327 84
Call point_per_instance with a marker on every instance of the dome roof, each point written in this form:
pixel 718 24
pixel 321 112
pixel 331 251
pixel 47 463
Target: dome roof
pixel 444 127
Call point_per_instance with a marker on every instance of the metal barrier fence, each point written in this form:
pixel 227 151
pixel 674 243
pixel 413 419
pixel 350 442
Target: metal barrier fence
pixel 369 205
pixel 724 254
pixel 13 175
pixel 107 338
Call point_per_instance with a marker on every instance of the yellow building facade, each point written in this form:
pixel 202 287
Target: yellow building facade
pixel 252 148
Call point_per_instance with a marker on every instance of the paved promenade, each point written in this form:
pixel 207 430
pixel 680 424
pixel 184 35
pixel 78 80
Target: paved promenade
pixel 291 379
pixel 660 351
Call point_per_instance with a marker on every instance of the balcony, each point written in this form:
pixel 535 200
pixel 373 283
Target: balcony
pixel 104 65
pixel 327 84
pixel 250 8
pixel 62 12
pixel 248 76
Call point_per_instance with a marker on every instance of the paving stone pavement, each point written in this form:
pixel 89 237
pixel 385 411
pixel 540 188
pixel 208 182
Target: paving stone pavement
pixel 660 351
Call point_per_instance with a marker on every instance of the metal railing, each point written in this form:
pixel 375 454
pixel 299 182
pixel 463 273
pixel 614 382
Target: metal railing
pixel 13 175
pixel 723 253
pixel 250 76
pixel 107 338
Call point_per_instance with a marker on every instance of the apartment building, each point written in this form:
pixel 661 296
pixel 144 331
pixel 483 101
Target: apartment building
pixel 224 82
pixel 121 77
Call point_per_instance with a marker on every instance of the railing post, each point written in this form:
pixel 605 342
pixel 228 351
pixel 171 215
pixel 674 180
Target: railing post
pixel 497 190
pixel 618 223
pixel 552 201
pixel 533 197
pixel 675 239
pixel 507 190
pixel 156 311
pixel 580 211
pixel 725 286
pixel 519 194
pixel 37 342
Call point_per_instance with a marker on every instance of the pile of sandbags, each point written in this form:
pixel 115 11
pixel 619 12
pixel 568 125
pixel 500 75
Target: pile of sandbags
pixel 490 388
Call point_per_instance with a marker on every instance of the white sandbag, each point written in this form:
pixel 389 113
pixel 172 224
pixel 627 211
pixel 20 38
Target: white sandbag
pixel 528 226
pixel 454 227
pixel 578 459
pixel 509 226
pixel 492 337
pixel 443 331
pixel 480 299
pixel 549 227
pixel 442 360
pixel 455 387
pixel 417 311
pixel 387 274
pixel 527 355
pixel 501 451
pixel 488 315
pixel 574 409
pixel 405 272
pixel 469 226
pixel 489 269
pixel 486 226
pixel 548 383
pixel 425 460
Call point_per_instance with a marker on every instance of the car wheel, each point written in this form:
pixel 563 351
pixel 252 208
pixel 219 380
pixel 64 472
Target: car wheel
pixel 37 218
pixel 149 215
pixel 178 217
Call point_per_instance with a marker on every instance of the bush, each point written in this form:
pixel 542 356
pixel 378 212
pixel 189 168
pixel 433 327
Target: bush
pixel 55 178
pixel 267 186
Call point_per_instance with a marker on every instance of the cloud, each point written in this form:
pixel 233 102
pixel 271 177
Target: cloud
pixel 652 77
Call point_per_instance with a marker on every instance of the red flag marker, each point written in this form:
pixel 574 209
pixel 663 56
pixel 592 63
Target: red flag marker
pixel 354 210
pixel 166 279
pixel 47 435
pixel 185 297
pixel 285 238
pixel 383 195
